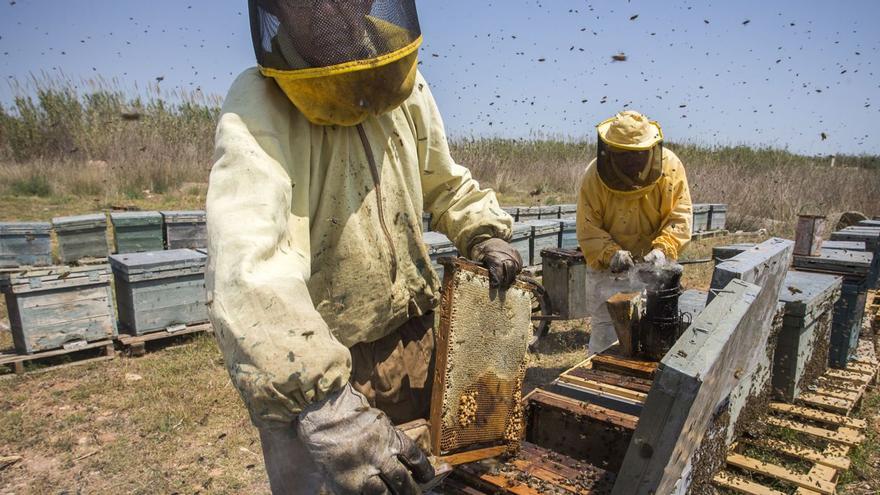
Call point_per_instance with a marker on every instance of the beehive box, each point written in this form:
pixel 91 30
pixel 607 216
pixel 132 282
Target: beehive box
pixel 848 245
pixel 438 246
pixel 568 234
pixel 513 211
pixel 528 213
pixel 691 303
pixel 545 235
pixel 717 217
pixel 564 277
pixel 854 267
pixel 137 231
pixel 185 229
pixel 723 253
pixel 871 237
pixel 869 223
pixel 701 218
pixel 482 347
pixel 568 212
pixel 81 236
pixel 25 244
pixel 549 212
pixel 52 307
pixel 159 289
pixel 802 345
pixel 521 239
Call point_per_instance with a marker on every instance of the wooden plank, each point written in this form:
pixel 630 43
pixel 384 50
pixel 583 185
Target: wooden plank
pixel 608 378
pixel 847 375
pixel 638 368
pixel 817 415
pixel 801 452
pixel 17 358
pixel 599 413
pixel 823 486
pixel 605 388
pixel 743 485
pixel 129 340
pixel 845 395
pixel 825 402
pixel 473 455
pixel 864 369
pixel 843 435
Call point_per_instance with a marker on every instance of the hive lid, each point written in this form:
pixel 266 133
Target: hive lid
pixel 183 216
pixel 869 223
pixel 436 242
pixel 25 228
pixel 844 262
pixel 47 278
pixel 93 220
pixel 542 227
pixel 700 208
pixel 136 218
pixel 548 209
pixel 803 291
pixel 150 261
pixel 871 237
pixel 850 245
pixel 718 207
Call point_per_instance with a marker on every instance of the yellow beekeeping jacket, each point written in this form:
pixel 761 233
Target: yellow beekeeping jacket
pixel 303 262
pixel 655 216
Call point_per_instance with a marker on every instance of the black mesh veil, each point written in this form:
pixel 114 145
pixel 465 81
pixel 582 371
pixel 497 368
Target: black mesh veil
pixel 615 179
pixel 302 34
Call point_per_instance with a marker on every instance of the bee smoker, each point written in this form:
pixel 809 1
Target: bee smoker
pixel 661 324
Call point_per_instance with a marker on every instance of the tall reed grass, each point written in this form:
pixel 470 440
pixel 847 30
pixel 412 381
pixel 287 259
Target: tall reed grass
pixel 96 140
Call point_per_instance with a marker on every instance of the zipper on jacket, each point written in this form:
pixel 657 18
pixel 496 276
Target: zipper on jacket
pixel 374 171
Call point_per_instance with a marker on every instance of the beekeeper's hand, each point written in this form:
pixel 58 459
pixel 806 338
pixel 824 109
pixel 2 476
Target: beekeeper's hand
pixel 655 257
pixel 621 261
pixel 359 450
pixel 501 259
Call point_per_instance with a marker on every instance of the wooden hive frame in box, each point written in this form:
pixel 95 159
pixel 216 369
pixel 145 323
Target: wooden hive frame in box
pixel 482 345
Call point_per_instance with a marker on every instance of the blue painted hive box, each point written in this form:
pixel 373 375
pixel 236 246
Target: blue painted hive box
pixel 185 229
pixel 803 343
pixel 438 246
pixel 568 234
pixel 854 267
pixel 545 235
pixel 159 289
pixel 53 307
pixel 81 236
pixel 137 231
pixel 700 218
pixel 25 244
pixel 717 217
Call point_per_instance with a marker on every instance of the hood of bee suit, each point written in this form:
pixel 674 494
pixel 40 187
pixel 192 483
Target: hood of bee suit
pixel 629 132
pixel 338 62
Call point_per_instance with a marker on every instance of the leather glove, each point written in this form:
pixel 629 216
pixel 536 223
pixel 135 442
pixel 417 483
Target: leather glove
pixel 501 259
pixel 656 257
pixel 357 448
pixel 621 261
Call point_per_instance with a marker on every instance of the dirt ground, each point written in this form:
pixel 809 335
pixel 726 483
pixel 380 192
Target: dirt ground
pixel 171 422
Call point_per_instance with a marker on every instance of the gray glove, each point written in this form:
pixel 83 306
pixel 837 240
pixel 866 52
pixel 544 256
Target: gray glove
pixel 655 258
pixel 621 261
pixel 359 450
pixel 501 259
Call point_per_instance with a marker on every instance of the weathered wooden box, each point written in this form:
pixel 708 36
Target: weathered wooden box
pixel 185 229
pixel 691 303
pixel 438 246
pixel 564 276
pixel 802 345
pixel 548 212
pixel 871 237
pixel 426 221
pixel 568 234
pixel 137 231
pixel 717 217
pixel 700 218
pixel 81 236
pixel 159 289
pixel 53 307
pixel 568 212
pixel 527 213
pixel 723 253
pixel 545 235
pixel 854 267
pixel 25 244
pixel 848 245
pixel 868 223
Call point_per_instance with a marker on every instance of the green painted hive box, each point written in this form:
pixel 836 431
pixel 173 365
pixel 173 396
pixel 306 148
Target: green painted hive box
pixel 803 343
pixel 158 290
pixel 137 231
pixel 185 229
pixel 25 244
pixel 53 307
pixel 81 236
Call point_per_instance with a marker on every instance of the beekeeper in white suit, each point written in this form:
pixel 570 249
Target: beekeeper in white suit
pixel 634 206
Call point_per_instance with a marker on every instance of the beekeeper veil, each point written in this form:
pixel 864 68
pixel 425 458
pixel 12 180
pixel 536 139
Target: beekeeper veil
pixel 338 61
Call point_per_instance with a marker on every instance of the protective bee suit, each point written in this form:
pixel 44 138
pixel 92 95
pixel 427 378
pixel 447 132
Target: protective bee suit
pixel 634 204
pixel 321 291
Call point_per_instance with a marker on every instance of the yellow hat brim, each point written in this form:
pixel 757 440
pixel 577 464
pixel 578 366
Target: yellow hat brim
pixel 603 127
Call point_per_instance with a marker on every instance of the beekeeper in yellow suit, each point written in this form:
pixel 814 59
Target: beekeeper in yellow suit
pixel 320 289
pixel 634 206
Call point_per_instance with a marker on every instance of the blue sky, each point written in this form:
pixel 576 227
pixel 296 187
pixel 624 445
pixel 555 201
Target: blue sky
pixel 795 70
